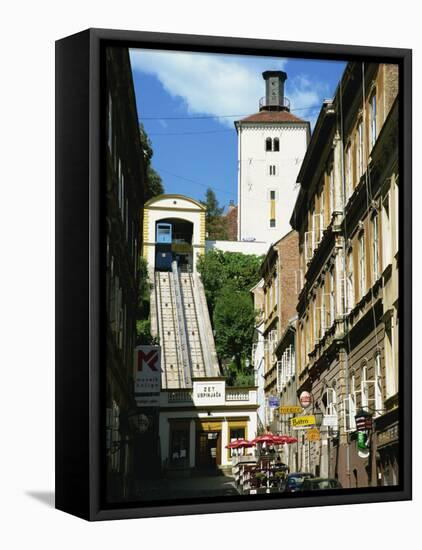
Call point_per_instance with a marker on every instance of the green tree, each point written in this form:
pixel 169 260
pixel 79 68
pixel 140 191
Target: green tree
pixel 234 319
pixel 154 183
pixel 215 222
pixel 220 269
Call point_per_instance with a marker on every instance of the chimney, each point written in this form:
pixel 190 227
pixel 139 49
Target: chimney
pixel 274 99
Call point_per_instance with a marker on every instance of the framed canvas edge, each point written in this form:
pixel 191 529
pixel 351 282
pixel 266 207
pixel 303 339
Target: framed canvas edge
pixel 401 56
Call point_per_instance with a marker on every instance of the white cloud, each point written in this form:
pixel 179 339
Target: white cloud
pixel 208 84
pixel 213 84
pixel 304 92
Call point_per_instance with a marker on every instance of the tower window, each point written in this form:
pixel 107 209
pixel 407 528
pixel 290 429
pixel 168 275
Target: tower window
pixel 276 144
pixel 272 222
pixel 268 144
pixel 272 195
pixel 272 169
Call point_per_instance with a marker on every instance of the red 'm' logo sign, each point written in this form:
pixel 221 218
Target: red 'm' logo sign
pixel 149 358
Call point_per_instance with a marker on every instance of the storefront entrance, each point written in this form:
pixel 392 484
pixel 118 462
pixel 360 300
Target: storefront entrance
pixel 208 454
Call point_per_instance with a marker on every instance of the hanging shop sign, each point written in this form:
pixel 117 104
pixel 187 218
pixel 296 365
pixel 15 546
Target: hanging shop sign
pixel 291 409
pixel 313 434
pixel 273 402
pixel 305 399
pixel 147 376
pixel 330 420
pixel 302 422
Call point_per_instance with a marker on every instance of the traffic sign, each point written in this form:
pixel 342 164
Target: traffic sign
pixel 305 399
pixel 313 434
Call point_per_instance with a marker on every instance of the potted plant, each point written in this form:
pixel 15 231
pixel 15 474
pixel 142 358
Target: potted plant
pixel 261 478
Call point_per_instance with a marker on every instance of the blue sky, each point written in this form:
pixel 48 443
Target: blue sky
pixel 189 101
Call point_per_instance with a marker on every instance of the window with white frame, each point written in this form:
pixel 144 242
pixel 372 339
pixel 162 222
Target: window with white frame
pixel 350 407
pixel 375 248
pixel 364 386
pixel 331 188
pixel 348 173
pixel 276 144
pixel 350 288
pixel 268 144
pixel 362 267
pixel 378 385
pixel 386 231
pixel 360 149
pixel 329 401
pixel 373 103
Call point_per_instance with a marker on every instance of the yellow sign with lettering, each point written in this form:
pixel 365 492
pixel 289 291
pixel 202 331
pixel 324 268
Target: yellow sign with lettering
pixel 313 434
pixel 290 409
pixel 302 422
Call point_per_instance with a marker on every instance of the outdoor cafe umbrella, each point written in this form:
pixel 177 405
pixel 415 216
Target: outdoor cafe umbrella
pixel 239 444
pixel 264 438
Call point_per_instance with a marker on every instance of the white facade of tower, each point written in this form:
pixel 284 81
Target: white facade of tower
pixel 267 188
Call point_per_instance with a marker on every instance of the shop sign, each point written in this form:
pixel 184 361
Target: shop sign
pixel 313 434
pixel 273 402
pixel 391 435
pixel 290 409
pixel 209 393
pixel 302 422
pixel 305 399
pixel 330 420
pixel 147 375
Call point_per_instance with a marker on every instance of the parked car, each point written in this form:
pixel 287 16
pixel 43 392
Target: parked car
pixel 320 483
pixel 293 482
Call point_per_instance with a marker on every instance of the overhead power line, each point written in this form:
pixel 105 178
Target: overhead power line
pixel 201 117
pixel 195 182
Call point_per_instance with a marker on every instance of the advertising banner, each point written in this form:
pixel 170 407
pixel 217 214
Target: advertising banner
pixel 147 376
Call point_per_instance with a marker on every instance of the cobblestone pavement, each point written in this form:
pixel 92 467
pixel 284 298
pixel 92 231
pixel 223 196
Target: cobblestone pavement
pixel 191 487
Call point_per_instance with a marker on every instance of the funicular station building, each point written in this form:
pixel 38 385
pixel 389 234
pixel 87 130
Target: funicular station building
pixel 198 414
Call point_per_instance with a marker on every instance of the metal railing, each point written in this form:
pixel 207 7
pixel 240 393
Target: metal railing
pixel 284 103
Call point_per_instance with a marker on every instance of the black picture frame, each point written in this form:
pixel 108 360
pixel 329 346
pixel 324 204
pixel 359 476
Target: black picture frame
pixel 79 277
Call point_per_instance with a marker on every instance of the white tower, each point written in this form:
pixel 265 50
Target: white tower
pixel 271 146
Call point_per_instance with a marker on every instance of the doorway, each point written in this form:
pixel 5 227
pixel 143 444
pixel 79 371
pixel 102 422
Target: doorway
pixel 209 450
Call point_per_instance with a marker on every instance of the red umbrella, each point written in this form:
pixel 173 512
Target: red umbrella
pixel 239 444
pixel 291 440
pixel 280 439
pixel 264 438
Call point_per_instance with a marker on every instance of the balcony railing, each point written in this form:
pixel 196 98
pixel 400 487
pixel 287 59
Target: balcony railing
pixel 180 396
pixel 283 103
pixel 237 395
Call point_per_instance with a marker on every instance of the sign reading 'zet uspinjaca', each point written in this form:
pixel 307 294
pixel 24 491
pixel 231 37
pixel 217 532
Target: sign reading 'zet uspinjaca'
pixel 301 422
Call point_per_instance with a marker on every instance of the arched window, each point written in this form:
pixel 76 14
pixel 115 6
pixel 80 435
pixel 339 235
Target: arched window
pixel 268 144
pixel 276 144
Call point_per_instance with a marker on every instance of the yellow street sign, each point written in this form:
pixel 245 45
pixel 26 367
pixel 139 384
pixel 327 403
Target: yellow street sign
pixel 313 434
pixel 290 409
pixel 302 422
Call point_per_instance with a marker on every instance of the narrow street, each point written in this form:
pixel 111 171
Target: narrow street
pixel 192 487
